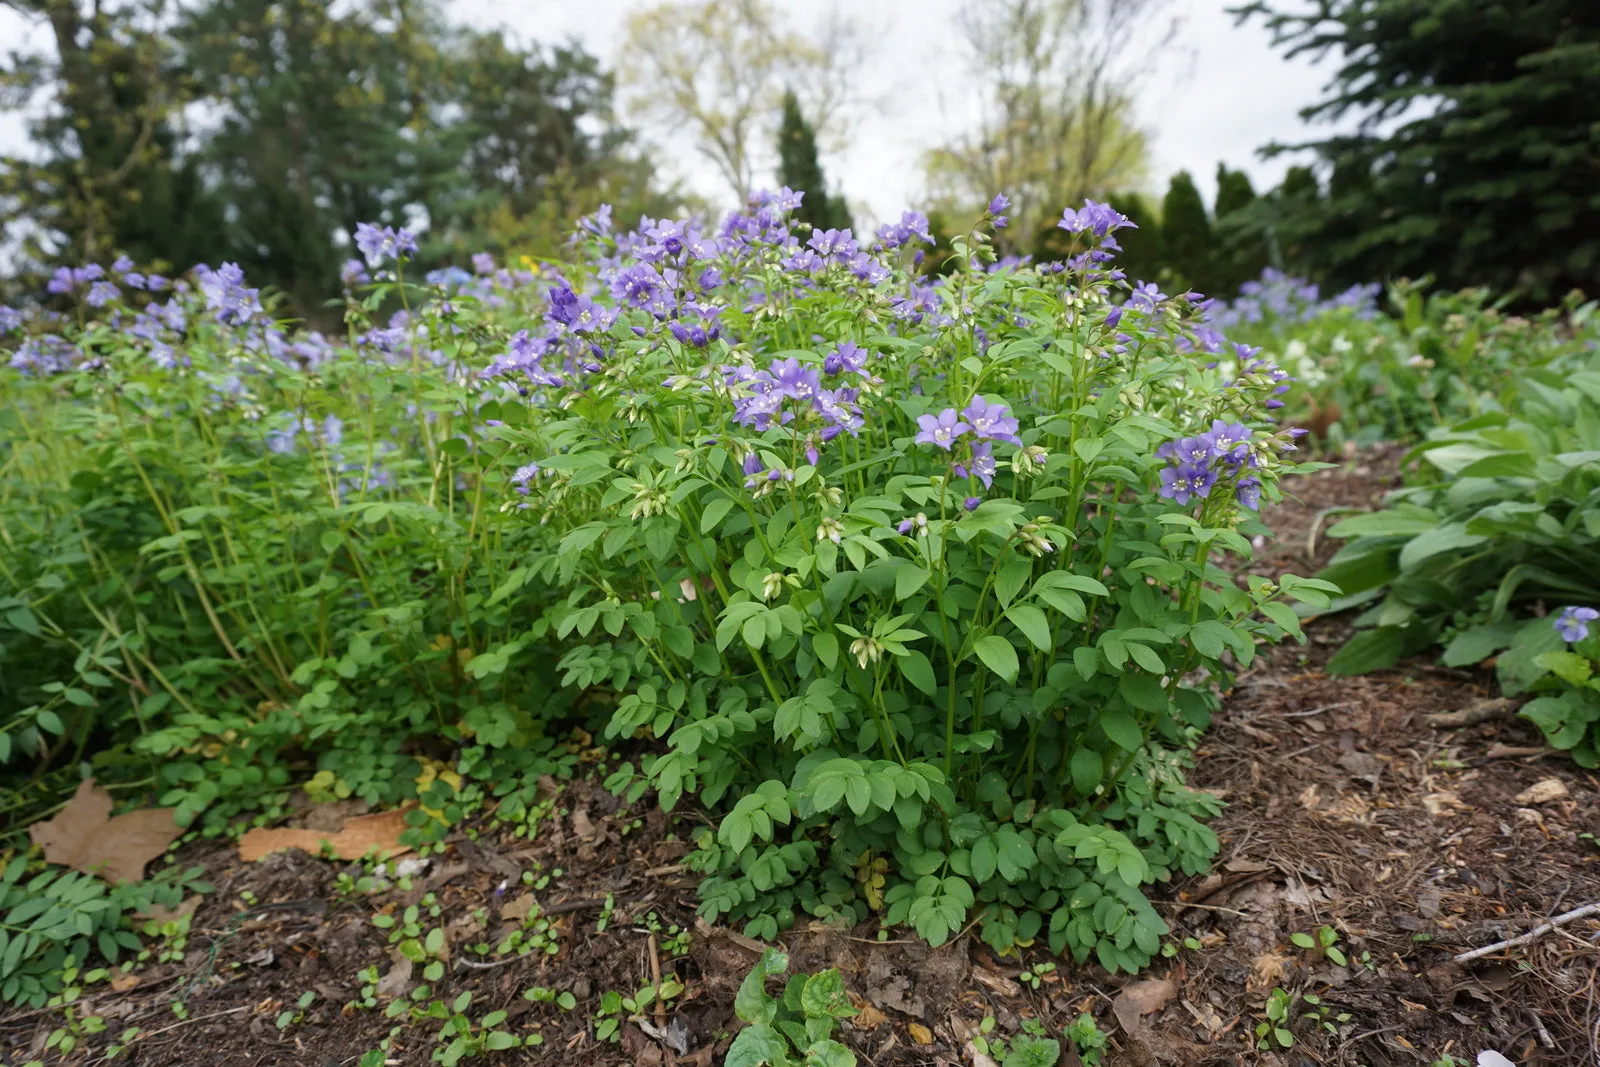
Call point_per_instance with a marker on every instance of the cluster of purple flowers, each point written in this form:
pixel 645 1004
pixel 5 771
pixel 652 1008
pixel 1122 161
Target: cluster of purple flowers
pixel 1573 623
pixel 382 243
pixel 789 389
pixel 227 296
pixel 1262 374
pixel 1197 463
pixel 1277 296
pixel 985 422
pixel 912 227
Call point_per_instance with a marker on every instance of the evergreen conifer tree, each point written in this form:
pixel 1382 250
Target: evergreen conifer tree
pixel 800 170
pixel 1186 235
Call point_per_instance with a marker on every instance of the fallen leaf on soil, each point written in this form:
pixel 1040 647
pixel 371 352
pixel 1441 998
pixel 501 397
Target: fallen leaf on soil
pixel 1141 998
pixel 998 983
pixel 398 980
pixel 976 1058
pixel 362 834
pixel 867 1017
pixel 581 825
pixel 165 915
pixel 1266 969
pixel 1491 1058
pixel 1205 1015
pixel 84 836
pixel 1309 797
pixel 1442 803
pixel 123 982
pixel 1543 792
pixel 1243 866
pixel 920 1035
pixel 515 911
pixel 330 817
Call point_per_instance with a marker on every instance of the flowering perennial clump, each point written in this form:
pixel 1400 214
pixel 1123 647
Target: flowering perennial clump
pixel 889 572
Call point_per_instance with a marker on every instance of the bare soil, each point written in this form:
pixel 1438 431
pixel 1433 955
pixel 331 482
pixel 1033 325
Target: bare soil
pixel 1346 809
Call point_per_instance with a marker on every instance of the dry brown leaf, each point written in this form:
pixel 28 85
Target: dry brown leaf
pixel 867 1017
pixel 1139 999
pixel 121 983
pixel 583 826
pixel 976 1058
pixel 378 833
pixel 1442 803
pixel 997 983
pixel 1244 866
pixel 920 1035
pixel 515 911
pixel 1266 969
pixel 85 837
pixel 398 980
pixel 1543 792
pixel 165 915
pixel 1309 797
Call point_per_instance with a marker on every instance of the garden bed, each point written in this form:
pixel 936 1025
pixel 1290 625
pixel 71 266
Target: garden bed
pixel 1346 809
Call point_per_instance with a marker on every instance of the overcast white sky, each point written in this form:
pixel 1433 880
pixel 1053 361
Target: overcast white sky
pixel 1221 96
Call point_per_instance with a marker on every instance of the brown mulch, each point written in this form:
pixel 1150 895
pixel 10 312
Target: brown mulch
pixel 1346 809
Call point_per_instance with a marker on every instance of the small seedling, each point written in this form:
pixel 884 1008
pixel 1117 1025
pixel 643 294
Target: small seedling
pixel 1275 1027
pixel 801 1022
pixel 540 995
pixel 1324 943
pixel 616 1008
pixel 1323 1017
pixel 294 1016
pixel 1090 1039
pixel 1033 976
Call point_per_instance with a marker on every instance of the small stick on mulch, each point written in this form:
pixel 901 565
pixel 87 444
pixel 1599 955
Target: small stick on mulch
pixel 1532 935
pixel 1474 713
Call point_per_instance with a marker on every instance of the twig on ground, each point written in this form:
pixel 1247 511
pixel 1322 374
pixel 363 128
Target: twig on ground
pixel 1317 711
pixel 1532 935
pixel 195 1019
pixel 475 965
pixel 655 978
pixel 1474 713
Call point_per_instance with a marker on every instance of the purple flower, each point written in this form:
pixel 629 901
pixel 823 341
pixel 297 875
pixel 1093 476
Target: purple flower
pixel 991 421
pixel 904 528
pixel 996 208
pixel 835 246
pixel 102 293
pixel 482 263
pixel 227 295
pixel 847 357
pixel 1186 481
pixel 972 502
pixel 983 465
pixel 794 379
pixel 913 226
pixel 1229 440
pixel 1248 493
pixel 524 475
pixel 1099 219
pixel 378 244
pixel 1573 623
pixel 941 429
pixel 10 319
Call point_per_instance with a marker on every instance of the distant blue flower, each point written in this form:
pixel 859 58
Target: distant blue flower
pixel 1573 623
pixel 379 244
pixel 913 226
pixel 794 379
pixel 942 429
pixel 227 295
pixel 10 319
pixel 102 293
pixel 972 502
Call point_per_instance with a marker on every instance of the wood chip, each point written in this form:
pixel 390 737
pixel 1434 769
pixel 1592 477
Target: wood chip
pixel 997 983
pixel 1543 792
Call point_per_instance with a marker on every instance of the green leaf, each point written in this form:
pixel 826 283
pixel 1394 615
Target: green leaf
pixel 758 1044
pixel 1121 728
pixel 984 858
pixel 1012 577
pixel 752 1003
pixel 907 580
pixel 1447 538
pixel 826 647
pixel 1031 621
pixel 1303 940
pixel 829 1053
pixel 998 655
pixel 714 513
pixel 1087 769
pixel 1371 650
pixel 1568 666
pixel 918 671
pixel 1284 616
